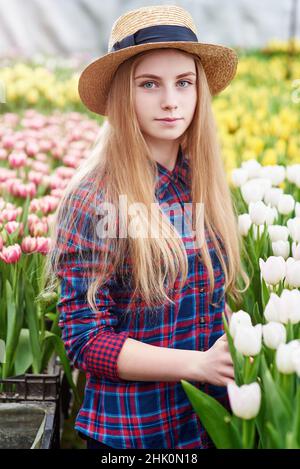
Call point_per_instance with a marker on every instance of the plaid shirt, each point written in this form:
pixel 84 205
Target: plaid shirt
pixel 138 414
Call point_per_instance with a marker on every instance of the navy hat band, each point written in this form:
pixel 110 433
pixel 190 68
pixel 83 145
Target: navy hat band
pixel 158 33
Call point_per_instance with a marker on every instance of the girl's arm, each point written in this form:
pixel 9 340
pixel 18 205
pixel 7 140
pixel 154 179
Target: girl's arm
pixel 138 361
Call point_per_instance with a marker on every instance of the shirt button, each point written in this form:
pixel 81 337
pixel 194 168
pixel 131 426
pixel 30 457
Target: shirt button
pixel 202 320
pixel 202 290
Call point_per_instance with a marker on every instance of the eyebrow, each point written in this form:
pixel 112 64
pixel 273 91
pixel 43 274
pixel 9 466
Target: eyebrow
pixel 149 75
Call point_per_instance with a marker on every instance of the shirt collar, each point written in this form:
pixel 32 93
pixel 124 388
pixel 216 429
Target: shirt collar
pixel 165 176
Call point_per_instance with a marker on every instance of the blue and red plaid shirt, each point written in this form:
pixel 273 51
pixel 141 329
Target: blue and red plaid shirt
pixel 138 414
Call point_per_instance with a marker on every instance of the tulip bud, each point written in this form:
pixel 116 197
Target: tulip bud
pixel 273 270
pixel 252 167
pixel 291 301
pixel 278 233
pixel 275 310
pixel 271 196
pixel 292 273
pixel 239 318
pixel 286 204
pixel 274 334
pixel 284 354
pixel 247 339
pixel 244 400
pixel 293 225
pixel 258 212
pixel 244 223
pixel 11 254
pixel 281 248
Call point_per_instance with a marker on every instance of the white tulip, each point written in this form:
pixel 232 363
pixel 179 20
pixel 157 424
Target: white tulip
pixel 278 233
pixel 292 172
pixel 252 167
pixel 273 270
pixel 275 173
pixel 284 354
pixel 239 318
pixel 291 301
pixel 274 334
pixel 297 209
pixel 296 251
pixel 275 310
pixel 271 215
pixel 244 400
pixel 286 204
pixel 281 248
pixel 239 176
pixel 244 223
pixel 293 225
pixel 292 272
pixel 247 339
pixel 258 212
pixel 252 192
pixel 271 196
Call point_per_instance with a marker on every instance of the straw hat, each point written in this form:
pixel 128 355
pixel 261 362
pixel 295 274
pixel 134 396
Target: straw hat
pixel 153 27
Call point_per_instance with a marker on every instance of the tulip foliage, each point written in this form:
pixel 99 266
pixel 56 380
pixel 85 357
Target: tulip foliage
pixel 38 156
pixel 264 330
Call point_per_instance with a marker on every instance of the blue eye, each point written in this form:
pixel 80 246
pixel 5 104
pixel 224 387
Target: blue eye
pixel 181 81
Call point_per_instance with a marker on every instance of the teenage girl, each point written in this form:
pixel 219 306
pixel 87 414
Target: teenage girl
pixel 146 244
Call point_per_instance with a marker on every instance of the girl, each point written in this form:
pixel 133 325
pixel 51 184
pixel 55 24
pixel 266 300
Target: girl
pixel 141 301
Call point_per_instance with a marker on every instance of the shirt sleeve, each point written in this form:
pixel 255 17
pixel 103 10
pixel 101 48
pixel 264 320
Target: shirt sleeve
pixel 90 340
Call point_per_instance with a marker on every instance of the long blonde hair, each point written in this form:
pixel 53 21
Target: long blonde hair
pixel 121 163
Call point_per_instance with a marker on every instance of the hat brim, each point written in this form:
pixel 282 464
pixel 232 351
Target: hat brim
pixel 219 63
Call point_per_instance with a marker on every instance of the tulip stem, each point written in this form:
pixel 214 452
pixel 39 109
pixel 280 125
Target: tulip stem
pixel 248 429
pixel 247 370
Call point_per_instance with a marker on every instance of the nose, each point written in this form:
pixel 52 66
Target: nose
pixel 168 99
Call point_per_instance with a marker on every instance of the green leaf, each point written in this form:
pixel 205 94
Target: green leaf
pixel 215 418
pixel 14 326
pixel 278 413
pixel 33 325
pixel 24 357
pixel 265 294
pixel 276 442
pixel 61 352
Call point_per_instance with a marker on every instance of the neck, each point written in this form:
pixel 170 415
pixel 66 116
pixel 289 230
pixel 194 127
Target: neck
pixel 164 152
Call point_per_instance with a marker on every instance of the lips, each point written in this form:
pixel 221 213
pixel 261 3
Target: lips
pixel 168 119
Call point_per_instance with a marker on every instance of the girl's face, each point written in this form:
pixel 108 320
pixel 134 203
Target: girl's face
pixel 171 93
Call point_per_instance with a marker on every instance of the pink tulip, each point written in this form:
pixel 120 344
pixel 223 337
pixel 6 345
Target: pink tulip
pixel 36 177
pixel 17 160
pixel 43 245
pixel 9 214
pixel 70 161
pixel 34 205
pixel 41 167
pixel 45 145
pixel 39 229
pixel 13 226
pixel 11 254
pixel 8 142
pixel 32 149
pixel 64 172
pixel 29 244
pixel 48 204
pixel 57 193
pixel 41 157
